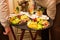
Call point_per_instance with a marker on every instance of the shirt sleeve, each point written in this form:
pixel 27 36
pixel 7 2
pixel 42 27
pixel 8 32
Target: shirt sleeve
pixel 51 9
pixel 4 13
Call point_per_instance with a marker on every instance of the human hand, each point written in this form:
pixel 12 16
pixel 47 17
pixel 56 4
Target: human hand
pixel 7 30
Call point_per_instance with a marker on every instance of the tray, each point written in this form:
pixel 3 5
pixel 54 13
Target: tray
pixel 24 25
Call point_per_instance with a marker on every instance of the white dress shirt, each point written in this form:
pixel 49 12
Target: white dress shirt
pixel 4 13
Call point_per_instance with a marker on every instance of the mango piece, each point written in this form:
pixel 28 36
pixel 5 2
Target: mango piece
pixel 32 25
pixel 24 17
pixel 16 21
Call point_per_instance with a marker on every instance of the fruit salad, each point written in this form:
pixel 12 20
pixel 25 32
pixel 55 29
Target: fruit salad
pixel 38 24
pixel 18 19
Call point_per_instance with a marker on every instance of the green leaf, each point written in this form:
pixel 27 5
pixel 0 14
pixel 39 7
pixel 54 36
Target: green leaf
pixel 42 9
pixel 17 8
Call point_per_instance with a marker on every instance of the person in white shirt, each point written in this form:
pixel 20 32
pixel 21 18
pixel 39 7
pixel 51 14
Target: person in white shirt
pixel 50 6
pixel 4 24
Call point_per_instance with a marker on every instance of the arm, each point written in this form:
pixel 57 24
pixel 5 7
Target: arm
pixel 51 9
pixel 50 5
pixel 4 14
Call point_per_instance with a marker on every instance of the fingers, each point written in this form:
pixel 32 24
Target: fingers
pixel 7 31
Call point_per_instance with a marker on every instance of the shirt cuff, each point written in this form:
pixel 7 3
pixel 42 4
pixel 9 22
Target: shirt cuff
pixel 5 24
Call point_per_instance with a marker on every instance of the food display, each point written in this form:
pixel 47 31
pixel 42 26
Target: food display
pixel 33 18
pixel 32 22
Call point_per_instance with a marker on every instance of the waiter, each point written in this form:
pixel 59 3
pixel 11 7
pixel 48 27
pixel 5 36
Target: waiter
pixel 50 6
pixel 4 25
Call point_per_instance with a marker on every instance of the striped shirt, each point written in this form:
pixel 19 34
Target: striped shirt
pixel 4 13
